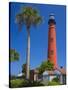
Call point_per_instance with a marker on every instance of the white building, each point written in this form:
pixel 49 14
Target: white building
pixel 49 75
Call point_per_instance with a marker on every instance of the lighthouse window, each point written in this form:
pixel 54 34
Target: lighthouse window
pixel 52 52
pixel 51 39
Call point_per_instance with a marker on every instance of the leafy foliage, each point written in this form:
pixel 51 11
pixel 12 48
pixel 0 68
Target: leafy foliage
pixel 56 79
pixel 52 83
pixel 24 83
pixel 16 83
pixel 46 65
pixel 14 55
pixel 24 69
pixel 28 16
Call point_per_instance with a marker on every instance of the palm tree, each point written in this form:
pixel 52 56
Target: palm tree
pixel 28 16
pixel 14 55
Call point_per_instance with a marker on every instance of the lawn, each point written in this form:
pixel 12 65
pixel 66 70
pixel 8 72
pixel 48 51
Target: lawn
pixel 15 83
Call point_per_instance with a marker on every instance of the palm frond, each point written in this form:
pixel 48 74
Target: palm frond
pixel 37 20
pixel 14 55
pixel 28 16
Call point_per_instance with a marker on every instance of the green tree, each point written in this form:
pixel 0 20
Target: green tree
pixel 56 79
pixel 24 69
pixel 53 83
pixel 46 65
pixel 14 55
pixel 29 17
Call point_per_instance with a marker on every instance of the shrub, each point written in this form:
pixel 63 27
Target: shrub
pixel 53 83
pixel 24 83
pixel 16 83
pixel 56 79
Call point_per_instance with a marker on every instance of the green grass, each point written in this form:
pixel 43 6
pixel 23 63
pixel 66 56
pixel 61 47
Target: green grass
pixel 16 83
pixel 53 83
pixel 24 83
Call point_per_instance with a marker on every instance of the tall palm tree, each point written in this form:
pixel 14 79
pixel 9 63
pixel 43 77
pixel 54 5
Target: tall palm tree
pixel 28 16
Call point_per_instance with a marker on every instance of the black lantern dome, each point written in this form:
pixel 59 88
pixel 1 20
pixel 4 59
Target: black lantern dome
pixel 51 19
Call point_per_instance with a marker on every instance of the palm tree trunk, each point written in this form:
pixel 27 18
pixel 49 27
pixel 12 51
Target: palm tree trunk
pixel 28 55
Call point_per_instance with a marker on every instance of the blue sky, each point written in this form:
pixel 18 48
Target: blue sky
pixel 39 36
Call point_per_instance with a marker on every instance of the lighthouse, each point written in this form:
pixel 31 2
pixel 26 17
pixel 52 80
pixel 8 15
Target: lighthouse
pixel 52 51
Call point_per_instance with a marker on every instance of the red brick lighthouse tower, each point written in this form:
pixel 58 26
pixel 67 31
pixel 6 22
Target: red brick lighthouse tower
pixel 52 53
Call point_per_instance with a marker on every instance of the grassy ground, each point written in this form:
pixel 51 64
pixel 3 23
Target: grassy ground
pixel 16 83
pixel 24 83
pixel 53 83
